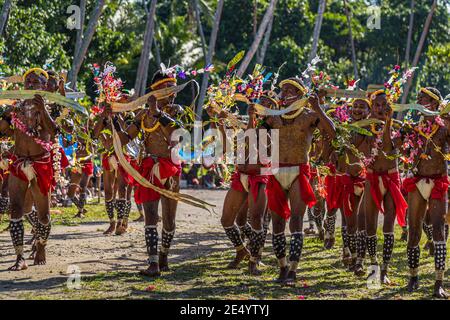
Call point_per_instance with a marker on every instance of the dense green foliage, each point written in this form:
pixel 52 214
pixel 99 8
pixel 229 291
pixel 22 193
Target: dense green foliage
pixel 36 32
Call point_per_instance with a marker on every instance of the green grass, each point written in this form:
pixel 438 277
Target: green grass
pixel 321 276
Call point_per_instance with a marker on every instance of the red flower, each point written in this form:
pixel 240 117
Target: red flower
pixel 150 288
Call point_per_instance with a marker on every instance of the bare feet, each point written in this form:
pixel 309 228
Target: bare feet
pixel 346 258
pixel 329 243
pixel 31 240
pixel 384 278
pixel 253 269
pixel 111 229
pixel 283 275
pixel 352 265
pixel 20 264
pixel 163 262
pixel 120 229
pixel 322 234
pixel 439 291
pixel 151 271
pixel 33 251
pixel 359 270
pixel 413 284
pixel 310 231
pixel 240 255
pixel 291 279
pixel 39 258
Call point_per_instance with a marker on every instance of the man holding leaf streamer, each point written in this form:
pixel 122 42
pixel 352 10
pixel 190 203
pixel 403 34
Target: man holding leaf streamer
pixel 31 179
pixel 155 125
pixel 427 186
pixel 291 179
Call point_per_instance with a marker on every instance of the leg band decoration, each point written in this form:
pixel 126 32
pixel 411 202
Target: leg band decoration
pixel 121 207
pixel 16 231
pixel 43 232
pixel 310 217
pixel 330 225
pixel 166 240
pixel 279 245
pixel 127 210
pixel 413 260
pixel 234 235
pixel 372 249
pixel 110 209
pixel 361 245
pixel 82 200
pixel 296 246
pixel 246 230
pixel 344 235
pixel 32 218
pixel 256 243
pixel 388 247
pixel 440 254
pixel 151 242
pixel 352 243
pixel 428 229
pixel 4 202
pixel 446 232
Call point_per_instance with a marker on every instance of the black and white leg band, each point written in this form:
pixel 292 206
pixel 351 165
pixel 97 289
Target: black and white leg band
pixel 16 230
pixel 151 242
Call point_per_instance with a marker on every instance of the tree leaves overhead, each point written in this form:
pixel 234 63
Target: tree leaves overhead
pixel 36 32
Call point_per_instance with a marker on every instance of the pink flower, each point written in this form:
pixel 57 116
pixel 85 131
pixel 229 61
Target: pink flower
pixel 150 288
pixel 301 297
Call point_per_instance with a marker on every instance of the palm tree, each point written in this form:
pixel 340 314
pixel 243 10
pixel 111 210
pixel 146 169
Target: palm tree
pixel 423 37
pixel 410 31
pixel 209 57
pixel 259 35
pixel 4 17
pixel 352 43
pixel 317 27
pixel 87 38
pixel 142 70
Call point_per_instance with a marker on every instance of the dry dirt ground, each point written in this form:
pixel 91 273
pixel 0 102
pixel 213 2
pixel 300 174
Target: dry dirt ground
pixel 109 265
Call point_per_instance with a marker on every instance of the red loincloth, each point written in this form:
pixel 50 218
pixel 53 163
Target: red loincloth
pixel 333 189
pixel 254 180
pixel 348 184
pixel 87 168
pixel 439 190
pixel 125 175
pixel 392 183
pixel 64 161
pixel 277 200
pixel 43 168
pixel 167 169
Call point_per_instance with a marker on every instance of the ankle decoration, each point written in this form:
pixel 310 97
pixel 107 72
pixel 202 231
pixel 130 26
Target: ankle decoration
pixel 32 218
pixel 296 247
pixel 151 240
pixel 127 210
pixel 121 207
pixel 372 248
pixel 440 254
pixel 413 258
pixel 166 240
pixel 234 235
pixel 279 245
pixel 16 230
pixel 246 230
pixel 43 232
pixel 388 247
pixel 352 243
pixel 361 244
pixel 109 205
pixel 428 229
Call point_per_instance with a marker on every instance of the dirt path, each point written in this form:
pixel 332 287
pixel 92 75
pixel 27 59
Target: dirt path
pixel 198 233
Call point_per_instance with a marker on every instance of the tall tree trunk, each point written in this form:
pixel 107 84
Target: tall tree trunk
pixel 87 38
pixel 410 31
pixel 259 35
pixel 4 17
pixel 79 40
pixel 80 31
pixel 255 23
pixel 348 13
pixel 317 27
pixel 209 57
pixel 266 41
pixel 200 28
pixel 157 52
pixel 142 71
pixel 416 59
